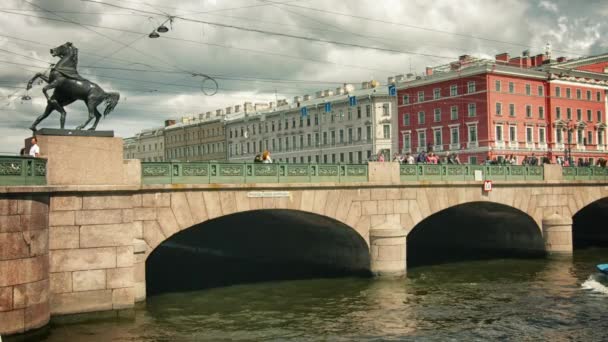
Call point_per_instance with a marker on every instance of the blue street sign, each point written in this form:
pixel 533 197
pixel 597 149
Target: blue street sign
pixel 392 90
pixel 352 101
pixel 328 107
pixel 304 112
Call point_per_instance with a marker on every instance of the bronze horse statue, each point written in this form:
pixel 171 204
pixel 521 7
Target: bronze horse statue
pixel 70 86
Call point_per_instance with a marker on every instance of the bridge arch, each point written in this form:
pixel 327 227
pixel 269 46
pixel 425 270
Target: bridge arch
pixel 309 227
pixel 589 225
pixel 474 230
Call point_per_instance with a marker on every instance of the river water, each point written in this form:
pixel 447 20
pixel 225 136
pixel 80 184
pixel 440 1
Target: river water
pixel 517 299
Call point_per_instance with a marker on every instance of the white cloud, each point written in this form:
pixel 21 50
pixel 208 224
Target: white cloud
pixel 548 5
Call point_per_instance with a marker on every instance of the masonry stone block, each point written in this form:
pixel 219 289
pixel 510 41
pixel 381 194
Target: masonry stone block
pixel 143 214
pixel 127 215
pixel 120 277
pixel 387 250
pixel 89 280
pixel 181 210
pixel 82 259
pixel 156 200
pixel 123 298
pixel 227 202
pixel 6 298
pixel 10 223
pixel 124 256
pixel 25 270
pixel 308 200
pixel 8 206
pixel 153 234
pixel 107 202
pixel 385 207
pixel 106 235
pixel 320 201
pixel 81 302
pixel 61 218
pixel 64 237
pixel 13 322
pixel 378 194
pixel 38 241
pixel 167 221
pixel 13 246
pixel 198 211
pixel 90 217
pixel 369 208
pixel 136 200
pixel 61 282
pixel 63 202
pixel 36 315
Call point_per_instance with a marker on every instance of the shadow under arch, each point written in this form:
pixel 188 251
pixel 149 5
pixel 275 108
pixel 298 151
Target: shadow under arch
pixel 589 225
pixel 256 246
pixel 474 231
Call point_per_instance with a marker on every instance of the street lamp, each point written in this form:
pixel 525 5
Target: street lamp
pixel 567 147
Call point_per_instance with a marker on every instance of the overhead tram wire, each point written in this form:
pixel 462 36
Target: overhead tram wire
pixel 415 27
pixel 351 66
pixel 280 34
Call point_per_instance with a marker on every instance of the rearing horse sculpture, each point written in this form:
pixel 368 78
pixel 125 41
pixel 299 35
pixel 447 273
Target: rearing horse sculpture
pixel 70 86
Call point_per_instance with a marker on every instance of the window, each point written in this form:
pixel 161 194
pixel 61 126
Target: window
pixel 308 121
pixel 453 90
pixel 280 145
pixel 421 96
pixel 558 113
pixel 385 110
pixel 421 118
pixel 541 135
pixel 589 138
pixel 293 123
pixel 272 128
pixel 529 135
pixel 528 111
pixel 368 132
pixel 279 128
pixel 511 109
pixel 341 115
pixel 498 108
pixel 541 112
pixel 437 116
pixel 541 90
pixel 286 144
pixel 472 109
pixel 511 87
pixel 558 92
pixel 471 87
pixel 569 113
pixel 333 137
pixel 512 133
pixel 559 136
pixel 333 158
pixel 341 136
pixel 341 157
pixel 472 133
pixel 301 141
pixel 579 114
pixel 407 141
pixel 350 135
pixel 359 134
pixel 308 140
pixel 436 93
pixel 358 112
pixel 589 115
pixel 599 116
pixel 598 97
pixel 350 157
pixel 324 138
pixel 387 131
pixel 406 99
pixel 350 114
pixel 579 136
pixel 568 93
pixel 454 112
pixel 437 137
pixel 421 139
pixel 317 119
pixel 600 137
pixel 359 157
pixel 499 133
pixel 454 135
pixel 406 119
pixel 472 160
pixel 368 111
pixel 588 95
pixel 497 85
pixel 579 95
pixel 528 89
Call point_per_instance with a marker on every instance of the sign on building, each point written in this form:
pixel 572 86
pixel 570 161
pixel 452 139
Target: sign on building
pixel 392 90
pixel 352 101
pixel 304 112
pixel 328 107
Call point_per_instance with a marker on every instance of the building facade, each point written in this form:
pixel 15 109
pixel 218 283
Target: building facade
pixel 340 127
pixel 147 145
pixel 197 139
pixel 520 106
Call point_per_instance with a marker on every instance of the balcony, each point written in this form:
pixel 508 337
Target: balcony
pixel 455 146
pixel 472 144
pixel 499 144
pixel 437 148
pixel 559 146
pixel 580 147
pixel 542 146
pixel 420 149
pixel 513 145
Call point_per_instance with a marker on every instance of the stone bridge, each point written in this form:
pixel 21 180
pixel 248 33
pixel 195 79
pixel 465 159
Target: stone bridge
pixel 73 248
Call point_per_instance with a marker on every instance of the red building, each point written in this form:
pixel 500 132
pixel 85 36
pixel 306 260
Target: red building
pixel 507 106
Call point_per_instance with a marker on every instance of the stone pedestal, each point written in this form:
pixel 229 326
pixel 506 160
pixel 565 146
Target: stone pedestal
pixel 557 232
pixel 85 160
pixel 387 249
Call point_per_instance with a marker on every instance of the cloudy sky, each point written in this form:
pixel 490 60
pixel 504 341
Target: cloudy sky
pixel 260 50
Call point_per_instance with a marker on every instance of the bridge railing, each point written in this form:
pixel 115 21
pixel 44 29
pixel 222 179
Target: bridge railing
pixel 585 173
pixel 17 170
pixel 431 172
pixel 206 173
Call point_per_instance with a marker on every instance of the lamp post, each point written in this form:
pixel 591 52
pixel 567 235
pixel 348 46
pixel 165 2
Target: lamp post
pixel 567 148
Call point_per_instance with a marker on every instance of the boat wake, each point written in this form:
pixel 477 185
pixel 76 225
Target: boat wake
pixel 596 283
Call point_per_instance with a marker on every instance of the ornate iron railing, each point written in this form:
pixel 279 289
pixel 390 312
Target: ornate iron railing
pixel 585 173
pixel 206 173
pixel 22 171
pixel 430 172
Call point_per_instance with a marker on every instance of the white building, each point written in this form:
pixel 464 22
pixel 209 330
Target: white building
pixel 147 145
pixel 344 132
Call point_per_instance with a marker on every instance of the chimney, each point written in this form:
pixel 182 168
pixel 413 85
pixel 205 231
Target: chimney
pixel 390 80
pixel 516 61
pixel 297 99
pixel 328 92
pixel 502 57
pixel 400 78
pixel 228 110
pixel 409 76
pixel 339 91
pixel 364 85
pixel 282 102
pixel 464 58
pixel 248 107
pixel 306 97
pixel 201 116
pixel 169 123
pixel 561 59
pixel 319 94
pixel 219 112
pixel 539 59
pixel 261 106
pixel 208 115
pixel 237 108
pixel 429 71
pixel 271 105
